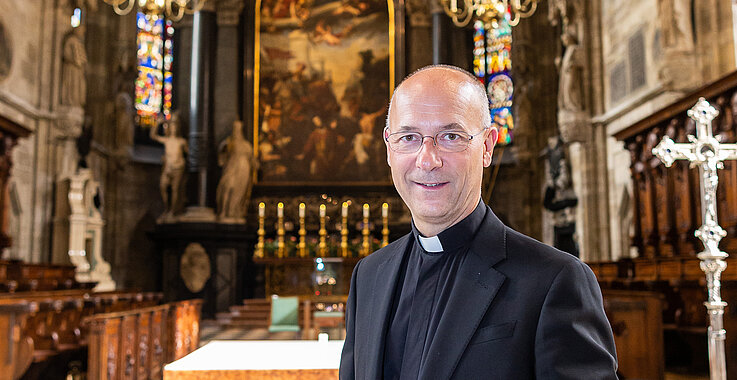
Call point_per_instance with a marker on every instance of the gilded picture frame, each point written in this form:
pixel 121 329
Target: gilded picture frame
pixel 324 71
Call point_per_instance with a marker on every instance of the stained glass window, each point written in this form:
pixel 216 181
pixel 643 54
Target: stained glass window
pixel 492 64
pixel 155 58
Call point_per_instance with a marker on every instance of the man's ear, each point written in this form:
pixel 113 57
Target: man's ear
pixel 386 142
pixel 489 142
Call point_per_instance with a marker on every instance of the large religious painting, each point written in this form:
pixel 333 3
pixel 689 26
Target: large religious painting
pixel 323 78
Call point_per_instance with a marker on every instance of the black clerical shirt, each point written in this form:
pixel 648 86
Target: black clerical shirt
pixel 425 283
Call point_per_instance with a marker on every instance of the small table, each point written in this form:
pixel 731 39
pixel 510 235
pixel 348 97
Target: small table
pixel 284 360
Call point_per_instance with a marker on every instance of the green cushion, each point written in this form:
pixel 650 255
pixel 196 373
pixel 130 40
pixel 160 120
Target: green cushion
pixel 327 314
pixel 284 314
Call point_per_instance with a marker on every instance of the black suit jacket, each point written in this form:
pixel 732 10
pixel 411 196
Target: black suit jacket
pixel 519 310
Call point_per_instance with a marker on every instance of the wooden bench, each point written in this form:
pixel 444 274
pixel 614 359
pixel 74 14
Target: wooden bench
pixel 135 344
pixel 17 276
pixel 54 325
pixel 16 351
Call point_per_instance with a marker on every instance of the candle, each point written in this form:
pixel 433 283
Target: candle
pixel 365 210
pixel 344 211
pixel 322 210
pixel 301 210
pixel 261 209
pixel 454 6
pixel 280 210
pixel 385 210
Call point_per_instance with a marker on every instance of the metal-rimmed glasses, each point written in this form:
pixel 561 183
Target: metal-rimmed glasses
pixel 446 141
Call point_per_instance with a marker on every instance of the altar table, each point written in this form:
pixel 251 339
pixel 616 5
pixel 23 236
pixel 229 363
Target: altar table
pixel 257 360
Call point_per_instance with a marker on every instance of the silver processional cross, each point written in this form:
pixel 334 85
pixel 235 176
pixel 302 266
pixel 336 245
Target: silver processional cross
pixel 706 152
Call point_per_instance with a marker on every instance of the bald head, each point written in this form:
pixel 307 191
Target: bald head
pixel 440 186
pixel 462 84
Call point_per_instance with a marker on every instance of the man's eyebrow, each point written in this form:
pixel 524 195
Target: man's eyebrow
pixel 447 127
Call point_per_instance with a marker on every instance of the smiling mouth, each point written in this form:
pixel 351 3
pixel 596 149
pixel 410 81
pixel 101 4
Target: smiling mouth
pixel 433 185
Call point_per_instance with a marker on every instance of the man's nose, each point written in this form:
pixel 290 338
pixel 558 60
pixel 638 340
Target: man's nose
pixel 428 157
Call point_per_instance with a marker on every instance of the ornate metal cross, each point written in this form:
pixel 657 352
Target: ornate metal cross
pixel 706 152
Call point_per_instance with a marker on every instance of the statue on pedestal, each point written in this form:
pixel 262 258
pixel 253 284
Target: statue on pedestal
pixel 174 165
pixel 73 81
pixel 560 197
pixel 236 157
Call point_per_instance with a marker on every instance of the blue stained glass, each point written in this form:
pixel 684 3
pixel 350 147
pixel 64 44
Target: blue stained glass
pixel 154 81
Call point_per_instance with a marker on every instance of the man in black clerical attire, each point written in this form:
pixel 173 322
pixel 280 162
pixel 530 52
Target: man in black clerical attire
pixel 463 296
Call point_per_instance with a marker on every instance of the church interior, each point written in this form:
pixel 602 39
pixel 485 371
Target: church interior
pixel 175 172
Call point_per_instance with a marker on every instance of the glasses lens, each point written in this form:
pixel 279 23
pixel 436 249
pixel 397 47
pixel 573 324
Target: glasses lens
pixel 405 142
pixel 452 141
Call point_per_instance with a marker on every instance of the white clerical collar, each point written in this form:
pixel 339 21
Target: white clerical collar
pixel 431 244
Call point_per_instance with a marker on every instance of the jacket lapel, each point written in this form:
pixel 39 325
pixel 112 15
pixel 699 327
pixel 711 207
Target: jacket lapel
pixel 385 282
pixel 476 286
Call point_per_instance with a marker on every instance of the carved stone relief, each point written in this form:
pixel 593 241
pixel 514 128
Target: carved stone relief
pixel 194 267
pixel 6 53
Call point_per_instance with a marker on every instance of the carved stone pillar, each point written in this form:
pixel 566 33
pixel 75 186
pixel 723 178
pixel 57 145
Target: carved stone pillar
pixel 586 140
pixel 78 227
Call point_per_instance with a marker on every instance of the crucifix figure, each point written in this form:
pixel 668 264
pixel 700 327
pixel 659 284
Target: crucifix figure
pixel 706 152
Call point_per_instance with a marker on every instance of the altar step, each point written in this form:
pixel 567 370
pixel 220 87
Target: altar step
pixel 213 330
pixel 252 314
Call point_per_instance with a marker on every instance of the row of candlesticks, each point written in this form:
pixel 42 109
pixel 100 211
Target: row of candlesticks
pixel 322 249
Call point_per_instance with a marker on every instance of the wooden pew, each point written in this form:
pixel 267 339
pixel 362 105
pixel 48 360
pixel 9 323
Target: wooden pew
pixel 16 351
pixel 54 326
pixel 20 276
pixel 184 328
pixel 135 344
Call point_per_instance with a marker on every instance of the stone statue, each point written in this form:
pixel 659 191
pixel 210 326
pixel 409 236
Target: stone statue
pixel 560 197
pixel 675 23
pixel 74 83
pixel 124 121
pixel 570 90
pixel 236 157
pixel 175 149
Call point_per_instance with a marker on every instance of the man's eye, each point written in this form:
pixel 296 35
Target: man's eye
pixel 450 136
pixel 407 138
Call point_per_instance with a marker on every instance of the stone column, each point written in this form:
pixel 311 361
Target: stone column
pixel 199 159
pixel 227 77
pixel 419 34
pixel 439 51
pixel 586 141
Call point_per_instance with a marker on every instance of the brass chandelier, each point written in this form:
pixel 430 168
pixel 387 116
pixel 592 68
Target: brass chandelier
pixel 173 9
pixel 488 11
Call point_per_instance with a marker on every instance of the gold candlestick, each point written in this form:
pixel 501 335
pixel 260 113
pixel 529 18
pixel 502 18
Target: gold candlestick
pixel 385 221
pixel 259 253
pixel 322 247
pixel 302 246
pixel 344 231
pixel 280 245
pixel 365 245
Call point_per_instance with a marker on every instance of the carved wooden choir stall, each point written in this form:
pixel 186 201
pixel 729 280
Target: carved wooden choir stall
pixel 48 321
pixel 667 211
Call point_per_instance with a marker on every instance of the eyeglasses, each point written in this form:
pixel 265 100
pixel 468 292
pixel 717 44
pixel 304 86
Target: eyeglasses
pixel 446 141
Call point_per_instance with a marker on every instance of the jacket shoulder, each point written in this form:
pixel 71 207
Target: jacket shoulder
pixel 534 252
